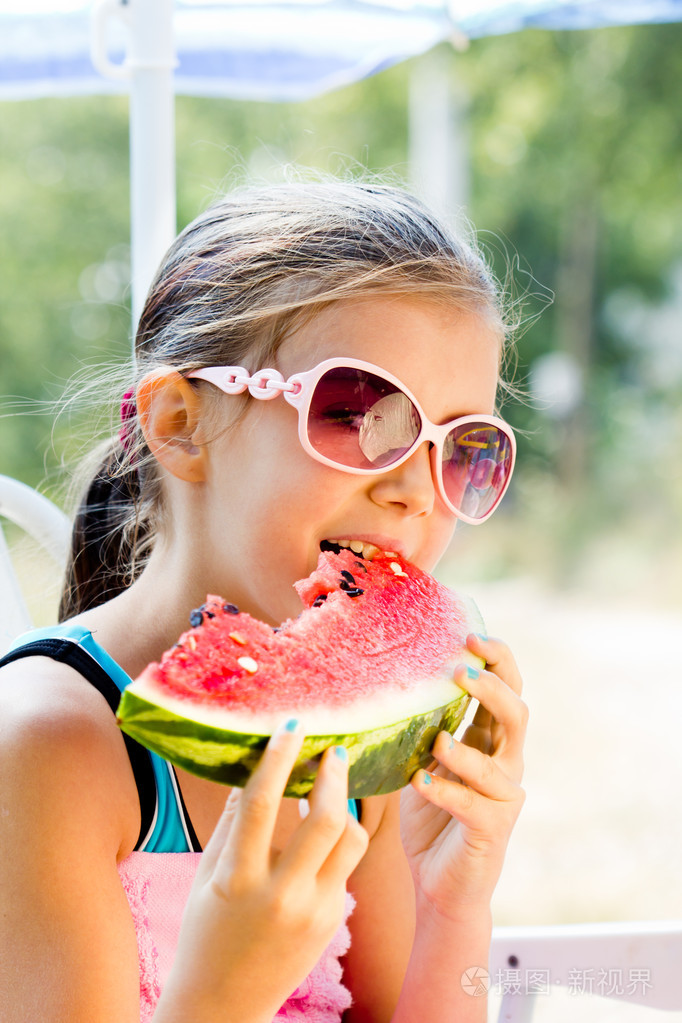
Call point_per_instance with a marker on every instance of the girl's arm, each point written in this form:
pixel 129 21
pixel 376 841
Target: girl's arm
pixel 456 823
pixel 66 934
pixel 455 828
pixel 383 921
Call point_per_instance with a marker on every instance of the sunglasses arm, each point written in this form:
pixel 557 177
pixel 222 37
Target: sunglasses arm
pixel 264 385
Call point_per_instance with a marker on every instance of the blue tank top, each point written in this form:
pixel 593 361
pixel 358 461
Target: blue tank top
pixel 169 828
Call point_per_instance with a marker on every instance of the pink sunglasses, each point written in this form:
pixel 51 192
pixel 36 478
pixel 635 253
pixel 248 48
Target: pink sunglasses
pixel 358 418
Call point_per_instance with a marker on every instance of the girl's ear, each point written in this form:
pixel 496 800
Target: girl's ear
pixel 168 410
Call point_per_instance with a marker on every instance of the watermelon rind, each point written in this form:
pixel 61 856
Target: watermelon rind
pixel 381 759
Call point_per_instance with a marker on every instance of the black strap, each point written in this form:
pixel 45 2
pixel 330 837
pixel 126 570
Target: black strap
pixel 68 652
pixel 193 840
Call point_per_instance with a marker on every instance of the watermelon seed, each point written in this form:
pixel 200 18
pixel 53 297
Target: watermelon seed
pixel 191 643
pixel 319 601
pixel 248 664
pixel 196 618
pixel 361 565
pixel 348 576
pixel 352 591
pixel 231 609
pixel 238 638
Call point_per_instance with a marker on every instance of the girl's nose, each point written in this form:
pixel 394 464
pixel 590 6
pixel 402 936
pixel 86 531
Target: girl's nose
pixel 411 487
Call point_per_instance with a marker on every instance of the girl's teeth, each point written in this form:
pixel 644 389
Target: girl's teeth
pixel 367 550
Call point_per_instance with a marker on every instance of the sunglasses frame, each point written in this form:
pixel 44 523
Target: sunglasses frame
pixel 298 391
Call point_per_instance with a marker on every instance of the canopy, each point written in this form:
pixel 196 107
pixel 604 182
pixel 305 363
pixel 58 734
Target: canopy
pixel 274 49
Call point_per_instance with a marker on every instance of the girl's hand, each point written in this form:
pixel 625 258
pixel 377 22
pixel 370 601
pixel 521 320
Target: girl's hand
pixel 456 820
pixel 258 919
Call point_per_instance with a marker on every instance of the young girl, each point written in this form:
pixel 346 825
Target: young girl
pixel 290 916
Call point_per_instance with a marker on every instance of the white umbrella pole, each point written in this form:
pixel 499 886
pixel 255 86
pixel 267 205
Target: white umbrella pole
pixel 437 135
pixel 148 68
pixel 152 142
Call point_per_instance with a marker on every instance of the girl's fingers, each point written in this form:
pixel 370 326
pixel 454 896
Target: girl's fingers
pixel 479 734
pixel 487 729
pixel 218 839
pixel 473 769
pixel 327 820
pixel 504 714
pixel 470 808
pixel 251 832
pixel 483 785
pixel 495 696
pixel 499 659
pixel 346 854
pixel 329 841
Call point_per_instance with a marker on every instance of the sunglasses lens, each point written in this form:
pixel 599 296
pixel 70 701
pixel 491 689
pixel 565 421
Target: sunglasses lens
pixel 360 420
pixel 477 464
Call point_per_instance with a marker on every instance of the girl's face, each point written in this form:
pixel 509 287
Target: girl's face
pixel 268 505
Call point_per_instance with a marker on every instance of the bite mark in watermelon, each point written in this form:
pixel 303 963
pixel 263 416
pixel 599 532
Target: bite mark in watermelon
pixel 368 665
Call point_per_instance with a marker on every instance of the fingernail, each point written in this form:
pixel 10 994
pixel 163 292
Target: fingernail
pixel 481 635
pixel 342 753
pixel 303 808
pixel 472 672
pixel 287 727
pixel 451 740
pixel 427 778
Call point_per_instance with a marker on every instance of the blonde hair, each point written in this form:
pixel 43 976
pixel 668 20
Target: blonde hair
pixel 234 284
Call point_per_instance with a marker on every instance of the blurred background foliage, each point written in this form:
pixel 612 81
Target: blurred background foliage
pixel 574 150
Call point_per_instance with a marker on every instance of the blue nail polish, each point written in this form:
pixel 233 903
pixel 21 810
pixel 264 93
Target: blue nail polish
pixel 291 725
pixel 427 778
pixel 342 753
pixel 481 635
pixel 472 672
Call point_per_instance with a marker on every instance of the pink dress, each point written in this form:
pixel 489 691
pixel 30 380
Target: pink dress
pixel 157 887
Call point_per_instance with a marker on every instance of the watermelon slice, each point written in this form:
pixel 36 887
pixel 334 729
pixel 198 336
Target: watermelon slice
pixel 368 664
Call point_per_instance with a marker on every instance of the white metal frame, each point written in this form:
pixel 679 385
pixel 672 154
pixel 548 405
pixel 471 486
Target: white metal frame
pixel 526 963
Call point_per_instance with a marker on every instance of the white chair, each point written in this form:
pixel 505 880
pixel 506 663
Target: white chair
pixel 49 526
pixel 637 962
